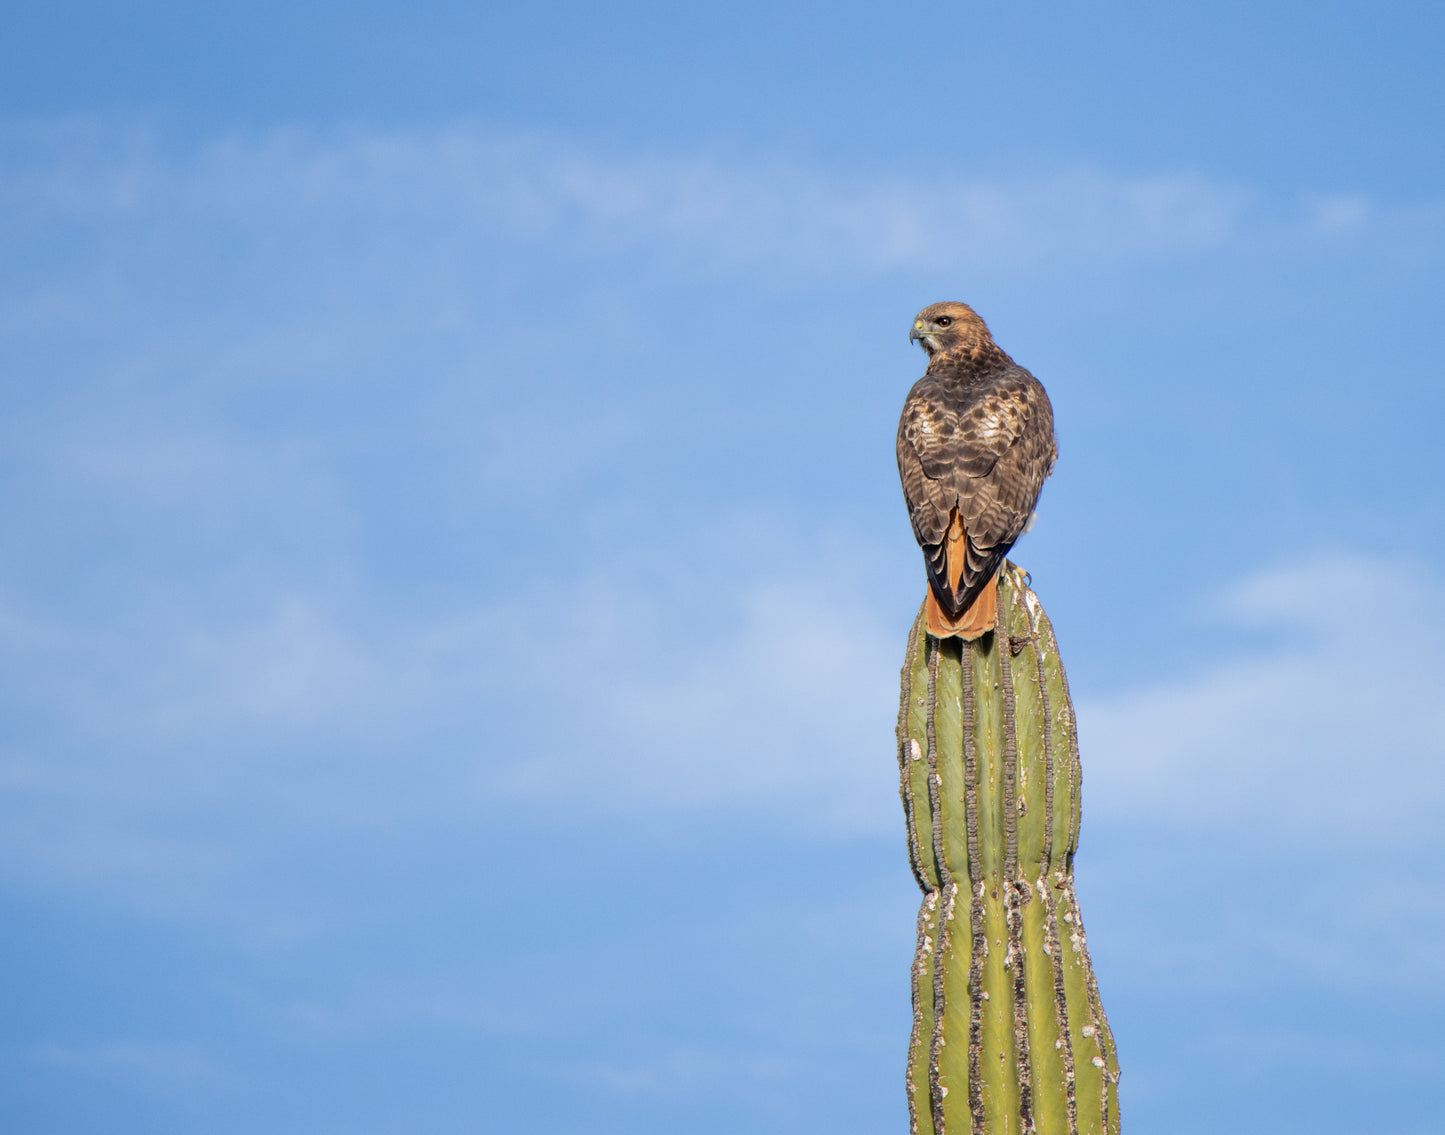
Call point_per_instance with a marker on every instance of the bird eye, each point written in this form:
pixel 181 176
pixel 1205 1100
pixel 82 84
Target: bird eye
pixel 943 320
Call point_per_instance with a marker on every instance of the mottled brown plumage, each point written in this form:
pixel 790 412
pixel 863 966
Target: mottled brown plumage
pixel 975 443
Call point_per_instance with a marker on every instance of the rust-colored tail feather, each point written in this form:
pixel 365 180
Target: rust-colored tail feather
pixel 979 618
pixel 977 621
pixel 956 550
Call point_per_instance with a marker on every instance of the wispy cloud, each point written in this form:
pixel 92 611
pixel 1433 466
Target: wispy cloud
pixel 155 1068
pixel 789 708
pixel 1339 728
pixel 715 212
pixel 1282 804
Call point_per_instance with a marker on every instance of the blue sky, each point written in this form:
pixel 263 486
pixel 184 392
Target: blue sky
pixel 454 574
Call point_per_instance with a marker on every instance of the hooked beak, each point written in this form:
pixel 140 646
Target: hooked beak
pixel 920 330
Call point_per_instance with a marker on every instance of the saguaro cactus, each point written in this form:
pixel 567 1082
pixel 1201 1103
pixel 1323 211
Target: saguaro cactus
pixel 1009 1036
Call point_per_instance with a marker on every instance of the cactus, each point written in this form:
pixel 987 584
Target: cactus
pixel 1009 1036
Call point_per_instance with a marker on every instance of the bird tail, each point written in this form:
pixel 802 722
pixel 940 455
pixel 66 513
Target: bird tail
pixel 975 622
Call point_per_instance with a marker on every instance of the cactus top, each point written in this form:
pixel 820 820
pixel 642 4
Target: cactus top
pixel 975 444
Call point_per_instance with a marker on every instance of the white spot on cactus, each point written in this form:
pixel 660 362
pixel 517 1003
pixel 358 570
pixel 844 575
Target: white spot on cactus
pixel 1097 1062
pixel 942 1091
pixel 985 994
pixel 1087 1030
pixel 1059 1043
pixel 915 750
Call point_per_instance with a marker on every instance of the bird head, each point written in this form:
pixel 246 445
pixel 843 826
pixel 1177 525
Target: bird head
pixel 948 326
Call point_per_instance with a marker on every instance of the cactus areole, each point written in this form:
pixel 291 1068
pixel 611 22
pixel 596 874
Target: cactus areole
pixel 1009 1035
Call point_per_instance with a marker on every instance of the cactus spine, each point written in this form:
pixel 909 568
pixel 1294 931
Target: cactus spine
pixel 1009 1036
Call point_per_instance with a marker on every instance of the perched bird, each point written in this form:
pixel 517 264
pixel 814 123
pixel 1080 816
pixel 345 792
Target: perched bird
pixel 975 443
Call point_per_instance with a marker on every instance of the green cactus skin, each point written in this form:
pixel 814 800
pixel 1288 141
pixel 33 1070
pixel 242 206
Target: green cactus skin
pixel 1009 1035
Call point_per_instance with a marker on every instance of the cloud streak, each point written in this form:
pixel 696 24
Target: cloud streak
pixel 716 213
pixel 1339 725
pixel 1279 809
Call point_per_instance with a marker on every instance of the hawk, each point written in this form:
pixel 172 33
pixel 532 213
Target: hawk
pixel 975 443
